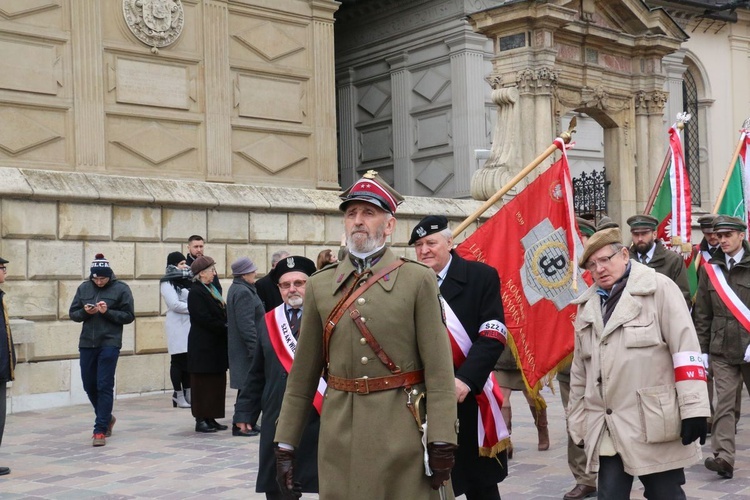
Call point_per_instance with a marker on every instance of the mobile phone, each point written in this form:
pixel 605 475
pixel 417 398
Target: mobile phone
pixel 90 306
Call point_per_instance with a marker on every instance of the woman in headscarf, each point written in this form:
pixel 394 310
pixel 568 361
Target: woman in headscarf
pixel 207 347
pixel 175 286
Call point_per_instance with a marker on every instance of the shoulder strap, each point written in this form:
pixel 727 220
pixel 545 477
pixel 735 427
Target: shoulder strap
pixel 349 298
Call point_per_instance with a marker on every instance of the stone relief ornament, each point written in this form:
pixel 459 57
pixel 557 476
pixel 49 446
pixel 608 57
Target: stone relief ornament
pixel 157 23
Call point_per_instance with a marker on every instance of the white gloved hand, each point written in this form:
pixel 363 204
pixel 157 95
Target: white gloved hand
pixel 747 354
pixel 704 357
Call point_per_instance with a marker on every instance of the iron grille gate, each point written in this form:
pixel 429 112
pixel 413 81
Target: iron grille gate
pixel 590 191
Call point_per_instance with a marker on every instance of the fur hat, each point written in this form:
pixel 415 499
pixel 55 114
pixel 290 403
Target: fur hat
pixel 100 267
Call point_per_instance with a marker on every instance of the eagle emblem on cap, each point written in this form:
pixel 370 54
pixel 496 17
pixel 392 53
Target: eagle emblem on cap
pixel 290 262
pixel 421 232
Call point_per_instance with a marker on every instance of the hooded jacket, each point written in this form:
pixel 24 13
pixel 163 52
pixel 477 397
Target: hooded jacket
pixel 102 330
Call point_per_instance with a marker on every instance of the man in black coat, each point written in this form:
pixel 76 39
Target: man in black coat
pixel 7 356
pixel 266 382
pixel 472 292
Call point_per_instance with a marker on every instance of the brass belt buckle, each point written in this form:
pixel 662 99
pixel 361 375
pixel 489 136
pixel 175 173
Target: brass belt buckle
pixel 361 385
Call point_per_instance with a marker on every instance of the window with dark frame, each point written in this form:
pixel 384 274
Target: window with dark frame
pixel 691 137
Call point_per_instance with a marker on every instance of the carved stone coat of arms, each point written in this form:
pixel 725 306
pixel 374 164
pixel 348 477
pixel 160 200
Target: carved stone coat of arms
pixel 157 23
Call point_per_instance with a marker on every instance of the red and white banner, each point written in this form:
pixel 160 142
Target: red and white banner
pixel 285 345
pixel 533 241
pixel 492 433
pixel 728 296
pixel 681 196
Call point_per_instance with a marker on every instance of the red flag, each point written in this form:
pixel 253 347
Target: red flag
pixel 533 242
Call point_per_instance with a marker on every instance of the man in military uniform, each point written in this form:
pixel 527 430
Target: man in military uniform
pixel 374 325
pixel 585 481
pixel 646 249
pixel 721 321
pixel 475 320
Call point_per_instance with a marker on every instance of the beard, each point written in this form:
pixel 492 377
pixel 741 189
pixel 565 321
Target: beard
pixel 642 248
pixel 294 301
pixel 364 243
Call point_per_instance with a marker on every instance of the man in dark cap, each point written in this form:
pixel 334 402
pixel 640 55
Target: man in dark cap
pixel 646 249
pixel 475 319
pixel 266 381
pixel 7 355
pixel 606 223
pixel 638 398
pixel 722 321
pixel 373 323
pixel 104 305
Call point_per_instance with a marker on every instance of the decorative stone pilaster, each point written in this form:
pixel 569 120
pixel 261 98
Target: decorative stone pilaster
pixel 467 68
pixel 324 91
pixel 675 68
pixel 218 91
pixel 403 170
pixel 88 84
pixel 347 126
pixel 739 46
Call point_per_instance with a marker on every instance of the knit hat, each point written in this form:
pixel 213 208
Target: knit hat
pixel 242 266
pixel 372 189
pixel 599 240
pixel 100 267
pixel 429 225
pixel 292 263
pixel 175 258
pixel 201 263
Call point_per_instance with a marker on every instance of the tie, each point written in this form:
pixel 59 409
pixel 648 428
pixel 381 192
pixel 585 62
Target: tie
pixel 731 263
pixel 440 280
pixel 644 258
pixel 294 321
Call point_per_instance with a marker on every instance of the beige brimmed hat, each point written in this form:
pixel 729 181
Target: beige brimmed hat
pixel 599 240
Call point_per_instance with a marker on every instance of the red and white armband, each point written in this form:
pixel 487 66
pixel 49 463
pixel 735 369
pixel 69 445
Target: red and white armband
pixel 688 365
pixel 494 329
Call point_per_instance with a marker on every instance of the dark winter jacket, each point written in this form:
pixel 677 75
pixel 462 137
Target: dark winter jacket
pixel 102 330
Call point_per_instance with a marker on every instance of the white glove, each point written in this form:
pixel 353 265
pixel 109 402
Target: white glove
pixel 704 357
pixel 747 354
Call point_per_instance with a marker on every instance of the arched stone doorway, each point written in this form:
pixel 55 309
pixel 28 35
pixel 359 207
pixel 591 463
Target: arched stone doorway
pixel 600 58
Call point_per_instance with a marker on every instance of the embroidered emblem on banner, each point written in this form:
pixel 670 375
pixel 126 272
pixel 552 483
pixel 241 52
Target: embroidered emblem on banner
pixel 547 269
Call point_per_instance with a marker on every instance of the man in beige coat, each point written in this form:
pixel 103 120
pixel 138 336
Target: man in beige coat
pixel 638 397
pixel 370 446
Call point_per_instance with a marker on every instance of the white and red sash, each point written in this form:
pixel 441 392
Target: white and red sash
pixel 285 345
pixel 728 296
pixel 492 433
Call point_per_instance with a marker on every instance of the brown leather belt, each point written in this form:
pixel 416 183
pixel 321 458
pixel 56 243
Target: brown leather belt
pixel 366 385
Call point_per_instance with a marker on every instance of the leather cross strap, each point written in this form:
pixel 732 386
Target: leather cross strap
pixel 366 385
pixel 347 300
pixel 367 334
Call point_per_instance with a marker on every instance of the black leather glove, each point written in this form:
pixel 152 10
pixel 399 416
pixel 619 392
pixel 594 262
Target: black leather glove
pixel 441 460
pixel 694 428
pixel 285 474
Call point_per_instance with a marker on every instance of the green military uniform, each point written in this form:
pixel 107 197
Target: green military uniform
pixel 369 443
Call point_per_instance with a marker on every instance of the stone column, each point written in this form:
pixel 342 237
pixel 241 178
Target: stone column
pixel 324 134
pixel 403 169
pixel 218 91
pixel 467 81
pixel 658 137
pixel 88 84
pixel 643 167
pixel 675 69
pixel 347 114
pixel 740 51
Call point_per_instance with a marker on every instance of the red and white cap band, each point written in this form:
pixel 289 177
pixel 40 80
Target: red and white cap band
pixel 688 365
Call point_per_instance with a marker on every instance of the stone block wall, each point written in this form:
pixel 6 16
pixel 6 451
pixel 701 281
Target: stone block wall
pixel 53 223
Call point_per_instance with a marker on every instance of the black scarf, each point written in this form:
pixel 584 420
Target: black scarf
pixel 179 278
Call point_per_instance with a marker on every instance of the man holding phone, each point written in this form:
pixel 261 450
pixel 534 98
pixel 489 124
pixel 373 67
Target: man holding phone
pixel 103 304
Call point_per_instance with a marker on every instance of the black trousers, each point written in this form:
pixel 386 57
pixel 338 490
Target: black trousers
pixel 488 492
pixel 615 483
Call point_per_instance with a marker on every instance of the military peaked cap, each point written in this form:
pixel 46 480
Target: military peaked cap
pixel 372 189
pixel 642 221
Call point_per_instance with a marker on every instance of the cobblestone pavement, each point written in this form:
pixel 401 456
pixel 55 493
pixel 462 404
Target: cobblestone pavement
pixel 154 453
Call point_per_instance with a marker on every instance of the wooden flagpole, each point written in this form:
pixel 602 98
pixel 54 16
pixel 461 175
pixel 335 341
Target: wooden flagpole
pixel 565 136
pixel 657 185
pixel 736 155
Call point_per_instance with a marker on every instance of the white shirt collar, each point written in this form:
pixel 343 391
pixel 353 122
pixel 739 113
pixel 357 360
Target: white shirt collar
pixel 650 253
pixel 444 272
pixel 365 255
pixel 737 257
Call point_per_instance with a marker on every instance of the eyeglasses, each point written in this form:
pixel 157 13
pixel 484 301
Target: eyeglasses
pixel 593 265
pixel 288 284
pixel 3 268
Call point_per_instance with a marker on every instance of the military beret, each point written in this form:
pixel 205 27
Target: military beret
pixel 707 222
pixel 726 223
pixel 606 223
pixel 372 189
pixel 599 240
pixel 293 263
pixel 429 225
pixel 642 221
pixel 586 227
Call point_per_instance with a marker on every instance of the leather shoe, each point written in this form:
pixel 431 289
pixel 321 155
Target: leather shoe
pixel 202 426
pixel 580 491
pixel 236 431
pixel 4 471
pixel 216 425
pixel 720 466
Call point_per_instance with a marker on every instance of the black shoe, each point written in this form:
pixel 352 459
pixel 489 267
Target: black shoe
pixel 4 471
pixel 203 426
pixel 236 431
pixel 216 425
pixel 720 466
